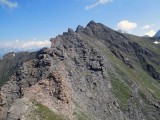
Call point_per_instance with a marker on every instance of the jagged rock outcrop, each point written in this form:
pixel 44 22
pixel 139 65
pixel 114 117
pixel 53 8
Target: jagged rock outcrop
pixel 93 73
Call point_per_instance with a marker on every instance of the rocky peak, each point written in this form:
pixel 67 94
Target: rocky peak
pixel 70 31
pixel 92 23
pixel 79 29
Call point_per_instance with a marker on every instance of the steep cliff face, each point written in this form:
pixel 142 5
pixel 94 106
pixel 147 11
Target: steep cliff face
pixel 93 73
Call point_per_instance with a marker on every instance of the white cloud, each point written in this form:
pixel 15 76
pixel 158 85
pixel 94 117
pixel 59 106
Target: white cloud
pixel 26 45
pixel 99 2
pixel 150 33
pixel 146 27
pixel 126 25
pixel 9 4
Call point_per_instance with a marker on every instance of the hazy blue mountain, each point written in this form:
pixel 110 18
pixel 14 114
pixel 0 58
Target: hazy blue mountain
pixel 157 34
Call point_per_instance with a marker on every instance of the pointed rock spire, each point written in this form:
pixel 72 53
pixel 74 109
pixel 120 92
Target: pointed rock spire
pixel 79 28
pixel 91 23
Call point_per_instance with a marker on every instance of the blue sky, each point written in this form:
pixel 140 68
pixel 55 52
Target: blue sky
pixel 29 23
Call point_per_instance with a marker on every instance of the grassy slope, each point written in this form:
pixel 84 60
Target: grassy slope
pixel 121 75
pixel 42 112
pixel 144 42
pixel 148 44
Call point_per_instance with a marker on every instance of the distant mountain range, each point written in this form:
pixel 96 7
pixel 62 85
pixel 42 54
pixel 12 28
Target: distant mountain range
pixel 4 51
pixel 7 50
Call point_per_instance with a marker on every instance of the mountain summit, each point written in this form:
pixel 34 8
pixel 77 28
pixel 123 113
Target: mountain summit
pixel 93 73
pixel 157 34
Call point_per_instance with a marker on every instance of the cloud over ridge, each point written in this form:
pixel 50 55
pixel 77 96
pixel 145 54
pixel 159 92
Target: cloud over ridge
pixel 127 25
pixel 150 33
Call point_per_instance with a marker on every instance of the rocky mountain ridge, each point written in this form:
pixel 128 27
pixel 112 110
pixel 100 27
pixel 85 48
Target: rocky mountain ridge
pixel 93 73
